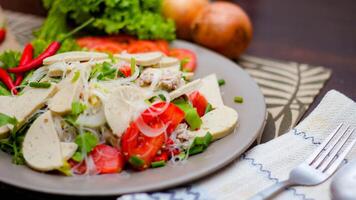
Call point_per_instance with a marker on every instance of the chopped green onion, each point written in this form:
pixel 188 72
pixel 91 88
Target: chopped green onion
pixel 156 164
pixel 209 108
pixel 238 99
pixel 5 119
pixel 76 76
pixel 221 82
pixel 193 119
pixel 40 84
pixel 195 150
pixel 133 65
pixel 203 141
pixel 136 161
pixel 191 114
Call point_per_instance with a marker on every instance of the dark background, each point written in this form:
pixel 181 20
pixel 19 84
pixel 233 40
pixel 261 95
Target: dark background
pixel 317 32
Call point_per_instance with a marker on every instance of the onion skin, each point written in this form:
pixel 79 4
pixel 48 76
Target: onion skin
pixel 223 27
pixel 183 12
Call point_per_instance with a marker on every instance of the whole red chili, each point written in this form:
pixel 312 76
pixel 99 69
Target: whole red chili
pixel 26 57
pixel 6 79
pixel 35 63
pixel 51 50
pixel 2 34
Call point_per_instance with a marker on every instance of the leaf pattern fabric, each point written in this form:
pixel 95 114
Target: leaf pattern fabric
pixel 289 89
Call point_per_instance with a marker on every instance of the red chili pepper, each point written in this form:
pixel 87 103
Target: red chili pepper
pixel 35 63
pixel 2 34
pixel 26 57
pixel 51 50
pixel 6 79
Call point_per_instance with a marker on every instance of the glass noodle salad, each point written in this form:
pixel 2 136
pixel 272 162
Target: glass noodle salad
pixel 88 113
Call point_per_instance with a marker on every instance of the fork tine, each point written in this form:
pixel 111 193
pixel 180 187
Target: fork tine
pixel 317 152
pixel 334 165
pixel 318 161
pixel 326 162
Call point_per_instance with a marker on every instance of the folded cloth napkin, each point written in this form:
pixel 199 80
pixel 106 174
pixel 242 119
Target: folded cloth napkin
pixel 271 162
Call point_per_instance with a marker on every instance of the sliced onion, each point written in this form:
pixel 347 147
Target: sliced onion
pixel 93 121
pixel 38 74
pixel 157 111
pixel 149 131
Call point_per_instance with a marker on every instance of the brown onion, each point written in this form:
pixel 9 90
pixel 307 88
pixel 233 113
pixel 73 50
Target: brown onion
pixel 183 12
pixel 223 27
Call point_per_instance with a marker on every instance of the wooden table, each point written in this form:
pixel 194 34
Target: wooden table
pixel 318 32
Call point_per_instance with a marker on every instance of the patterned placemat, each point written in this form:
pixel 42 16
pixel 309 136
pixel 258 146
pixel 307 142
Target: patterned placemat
pixel 289 87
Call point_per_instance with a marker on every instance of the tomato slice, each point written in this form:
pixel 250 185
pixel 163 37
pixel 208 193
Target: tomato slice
pixel 199 102
pixel 126 70
pixel 107 159
pixel 142 46
pixel 102 44
pixel 185 55
pixel 136 144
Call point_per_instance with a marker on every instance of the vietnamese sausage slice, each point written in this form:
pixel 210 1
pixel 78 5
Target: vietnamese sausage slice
pixel 23 106
pixel 219 122
pixel 41 146
pixel 69 91
pixel 143 59
pixel 185 89
pixel 122 106
pixel 168 62
pixel 74 56
pixel 68 149
pixel 211 91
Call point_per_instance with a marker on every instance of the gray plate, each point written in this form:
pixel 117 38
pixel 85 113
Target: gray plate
pixel 220 153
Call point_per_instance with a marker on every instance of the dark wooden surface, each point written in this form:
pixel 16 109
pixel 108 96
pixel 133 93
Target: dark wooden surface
pixel 317 32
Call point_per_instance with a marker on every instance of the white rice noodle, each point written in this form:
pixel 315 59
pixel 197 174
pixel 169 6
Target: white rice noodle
pixel 158 111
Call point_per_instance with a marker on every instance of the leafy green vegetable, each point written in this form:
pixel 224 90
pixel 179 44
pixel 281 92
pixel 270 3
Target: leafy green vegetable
pixel 10 59
pixel 142 18
pixel 86 143
pixel 5 119
pixel 209 108
pixel 78 108
pixel 4 91
pixel 13 144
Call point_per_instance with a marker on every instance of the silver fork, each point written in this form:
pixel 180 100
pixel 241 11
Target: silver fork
pixel 320 165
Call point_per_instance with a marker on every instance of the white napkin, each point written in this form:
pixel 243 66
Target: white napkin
pixel 271 162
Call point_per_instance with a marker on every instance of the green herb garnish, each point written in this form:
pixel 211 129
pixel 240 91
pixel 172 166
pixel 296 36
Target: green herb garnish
pixel 191 114
pixel 86 143
pixel 133 65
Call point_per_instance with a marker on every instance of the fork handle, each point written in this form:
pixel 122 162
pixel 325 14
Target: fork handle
pixel 269 192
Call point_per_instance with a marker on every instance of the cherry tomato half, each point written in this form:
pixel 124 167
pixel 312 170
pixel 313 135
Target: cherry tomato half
pixel 186 56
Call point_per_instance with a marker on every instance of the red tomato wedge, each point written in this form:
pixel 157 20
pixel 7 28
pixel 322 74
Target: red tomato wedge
pixel 185 55
pixel 107 160
pixel 136 144
pixel 199 102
